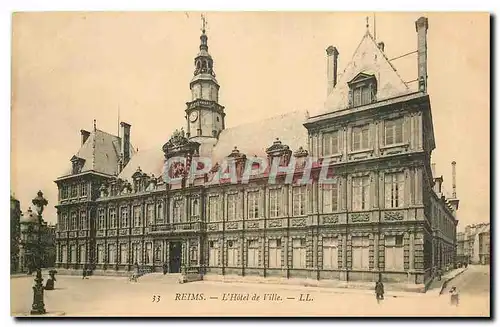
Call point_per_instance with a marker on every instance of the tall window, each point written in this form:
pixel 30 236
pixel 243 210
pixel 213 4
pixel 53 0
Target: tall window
pixel 101 219
pixel 363 93
pixel 159 214
pixel 299 253
pixel 100 253
pixel 124 217
pixel 330 253
pixel 111 253
pixel 64 222
pixel 213 255
pixel 275 253
pixel 148 258
pixel 394 253
pixel 253 204
pixel 83 219
pixel 275 203
pixel 360 252
pixel 232 254
pixel 112 218
pixel 394 131
pixel 137 216
pixel 231 206
pixel 361 193
pixel 123 254
pixel 74 191
pixel 195 207
pixel 253 253
pixel 64 192
pixel 177 211
pixel 83 189
pixel 213 213
pixel 360 138
pixel 299 201
pixel 394 190
pixel 73 221
pixel 330 143
pixel 330 197
pixel 135 253
pixel 64 254
pixel 82 253
pixel 73 253
pixel 150 212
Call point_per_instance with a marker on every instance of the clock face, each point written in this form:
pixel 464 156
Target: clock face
pixel 193 116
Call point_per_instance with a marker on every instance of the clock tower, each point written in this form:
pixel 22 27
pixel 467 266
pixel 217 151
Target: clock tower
pixel 204 115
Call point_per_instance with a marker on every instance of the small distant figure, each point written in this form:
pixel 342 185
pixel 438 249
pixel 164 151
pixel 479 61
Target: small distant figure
pixel 165 268
pixel 85 272
pixel 379 291
pixel 439 274
pixel 49 286
pixel 454 296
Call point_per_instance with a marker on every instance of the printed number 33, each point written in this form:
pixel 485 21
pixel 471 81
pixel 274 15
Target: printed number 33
pixel 156 298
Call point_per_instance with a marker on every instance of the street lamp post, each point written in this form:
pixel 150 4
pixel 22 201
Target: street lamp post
pixel 38 306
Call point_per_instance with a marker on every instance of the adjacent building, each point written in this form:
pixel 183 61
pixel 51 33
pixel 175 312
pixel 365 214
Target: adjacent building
pixel 476 243
pixel 384 215
pixel 15 232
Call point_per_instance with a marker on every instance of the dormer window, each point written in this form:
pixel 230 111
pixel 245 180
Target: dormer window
pixel 362 90
pixel 77 164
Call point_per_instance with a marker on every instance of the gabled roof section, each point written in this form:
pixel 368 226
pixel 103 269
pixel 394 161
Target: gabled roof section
pixel 367 60
pixel 100 153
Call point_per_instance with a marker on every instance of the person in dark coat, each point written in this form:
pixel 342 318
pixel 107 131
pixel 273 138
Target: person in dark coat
pixel 165 268
pixel 379 290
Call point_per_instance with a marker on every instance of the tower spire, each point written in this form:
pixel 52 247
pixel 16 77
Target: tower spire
pixel 203 37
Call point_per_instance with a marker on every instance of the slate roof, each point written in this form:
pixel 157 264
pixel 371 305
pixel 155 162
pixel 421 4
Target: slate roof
pixel 254 138
pixel 369 59
pixel 101 152
pixel 251 139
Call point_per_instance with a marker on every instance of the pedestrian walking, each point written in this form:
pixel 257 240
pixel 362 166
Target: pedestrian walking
pixel 379 291
pixel 165 268
pixel 454 296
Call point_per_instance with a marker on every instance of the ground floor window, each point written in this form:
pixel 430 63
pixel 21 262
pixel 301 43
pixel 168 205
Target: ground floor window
pixel 360 252
pixel 253 253
pixel 73 253
pixel 275 253
pixel 213 255
pixel 232 253
pixel 135 253
pixel 112 253
pixel 100 253
pixel 123 254
pixel 82 253
pixel 149 253
pixel 64 254
pixel 330 253
pixel 299 253
pixel 394 253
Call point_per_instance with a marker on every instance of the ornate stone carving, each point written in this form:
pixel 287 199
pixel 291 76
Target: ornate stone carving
pixel 275 223
pixel 301 222
pixel 393 216
pixel 232 225
pixel 100 233
pixel 254 224
pixel 82 233
pixel 212 227
pixel 301 152
pixel 136 230
pixel 112 232
pixel 360 217
pixel 123 232
pixel 330 219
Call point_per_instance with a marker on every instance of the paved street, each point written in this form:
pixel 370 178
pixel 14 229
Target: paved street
pixel 474 281
pixel 114 296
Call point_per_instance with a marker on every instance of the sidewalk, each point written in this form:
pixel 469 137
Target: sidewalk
pixel 437 286
pixel 332 286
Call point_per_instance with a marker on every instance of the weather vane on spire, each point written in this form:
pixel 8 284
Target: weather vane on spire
pixel 203 23
pixel 367 23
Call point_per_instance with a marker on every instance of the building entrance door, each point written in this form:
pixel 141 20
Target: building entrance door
pixel 175 254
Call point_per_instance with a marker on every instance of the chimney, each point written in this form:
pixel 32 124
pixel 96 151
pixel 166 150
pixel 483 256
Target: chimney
pixel 454 179
pixel 125 143
pixel 422 25
pixel 331 73
pixel 85 135
pixel 381 46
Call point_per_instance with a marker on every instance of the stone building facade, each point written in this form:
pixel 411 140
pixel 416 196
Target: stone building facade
pixel 382 216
